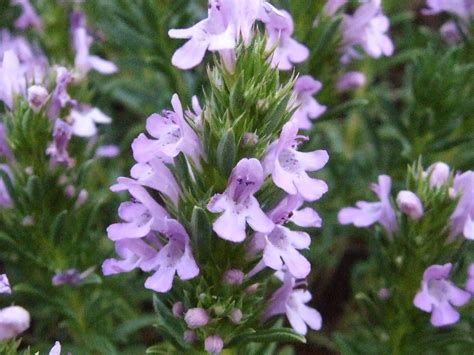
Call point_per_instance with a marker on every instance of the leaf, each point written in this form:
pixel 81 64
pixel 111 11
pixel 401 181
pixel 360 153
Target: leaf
pixel 279 335
pixel 226 152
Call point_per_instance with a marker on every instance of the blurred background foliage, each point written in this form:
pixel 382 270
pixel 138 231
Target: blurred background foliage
pixel 419 102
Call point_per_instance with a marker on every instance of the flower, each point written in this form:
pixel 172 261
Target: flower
pixel 5 199
pixel 289 167
pixel 286 51
pixel 288 209
pixel 450 32
pixel 367 213
pixel 367 27
pixel 83 61
pixel 236 316
pixel 57 150
pixel 14 320
pixel 12 79
pixel 308 108
pixel 171 135
pixel 178 309
pixel 461 8
pixel 233 277
pixel 196 318
pixel 68 277
pixel 238 203
pixel 141 217
pixel 5 150
pixel 174 257
pixel 5 284
pixel 60 97
pixel 462 219
pixel 350 80
pixel 438 295
pixel 470 279
pixel 213 344
pixel 85 119
pixel 28 16
pixel 56 349
pixel 293 302
pixel 410 204
pixel 37 97
pixel 215 33
pixel 107 151
pixel 438 173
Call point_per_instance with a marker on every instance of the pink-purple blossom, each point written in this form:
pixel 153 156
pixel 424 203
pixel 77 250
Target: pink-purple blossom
pixel 14 320
pixel 307 107
pixel 12 79
pixel 289 167
pixel 332 6
pixel 37 97
pixel 410 204
pixel 462 219
pixel 85 119
pixel 438 295
pixel 56 349
pixel 366 28
pixel 438 174
pixel 367 213
pixel 28 16
pixel 286 51
pixel 5 284
pixel 461 8
pixel 350 80
pixel 196 318
pixel 213 344
pixel 57 150
pixel 292 302
pixel 238 204
pixel 171 134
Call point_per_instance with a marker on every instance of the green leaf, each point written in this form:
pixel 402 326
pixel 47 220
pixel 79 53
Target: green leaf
pixel 57 228
pixel 279 335
pixel 201 231
pixel 226 152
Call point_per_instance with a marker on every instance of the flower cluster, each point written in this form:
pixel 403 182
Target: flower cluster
pixel 438 294
pixel 176 191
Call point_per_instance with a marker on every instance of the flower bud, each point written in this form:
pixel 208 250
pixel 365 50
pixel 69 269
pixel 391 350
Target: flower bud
pixel 178 309
pixel 383 294
pixel 5 284
pixel 439 174
pixel 14 320
pixel 196 317
pixel 250 139
pixel 37 96
pixel 233 277
pixel 189 336
pixel 251 289
pixel 236 316
pixel 70 277
pixel 213 344
pixel 81 198
pixel 410 204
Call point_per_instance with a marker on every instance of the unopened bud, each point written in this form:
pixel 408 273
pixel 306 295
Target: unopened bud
pixel 37 96
pixel 383 294
pixel 14 320
pixel 410 204
pixel 219 310
pixel 439 174
pixel 189 336
pixel 81 198
pixel 213 344
pixel 196 318
pixel 236 316
pixel 350 80
pixel 233 277
pixel 251 289
pixel 178 309
pixel 250 139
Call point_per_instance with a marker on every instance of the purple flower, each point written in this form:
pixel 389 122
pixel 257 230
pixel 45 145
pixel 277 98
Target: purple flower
pixel 450 32
pixel 238 203
pixel 72 277
pixel 308 108
pixel 438 295
pixel 85 119
pixel 236 316
pixel 37 97
pixel 438 173
pixel 107 151
pixel 350 80
pixel 196 318
pixel 293 303
pixel 14 320
pixel 470 279
pixel 5 199
pixel 368 213
pixel 462 219
pixel 289 209
pixel 171 135
pixel 216 33
pixel 59 97
pixel 178 309
pixel 410 204
pixel 28 16
pixel 233 277
pixel 82 41
pixel 155 175
pixel 5 150
pixel 12 78
pixel 5 284
pixel 213 344
pixel 289 167
pixel 367 28
pixel 174 257
pixel 56 349
pixel 462 8
pixel 286 51
pixel 140 217
pixel 57 150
